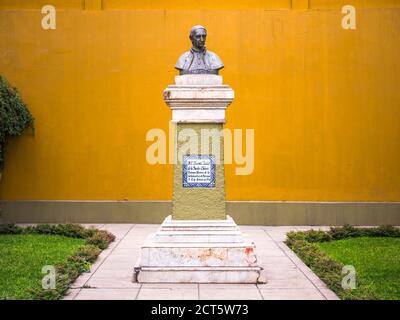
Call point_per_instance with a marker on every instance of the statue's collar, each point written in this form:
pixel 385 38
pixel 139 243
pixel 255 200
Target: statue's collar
pixel 193 50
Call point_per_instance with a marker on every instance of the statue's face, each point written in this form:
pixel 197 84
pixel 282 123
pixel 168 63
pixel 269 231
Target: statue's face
pixel 199 38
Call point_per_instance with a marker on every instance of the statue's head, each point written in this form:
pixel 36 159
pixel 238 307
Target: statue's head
pixel 198 36
pixel 205 62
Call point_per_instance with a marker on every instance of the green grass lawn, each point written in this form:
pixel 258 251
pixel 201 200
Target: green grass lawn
pixel 23 256
pixel 376 260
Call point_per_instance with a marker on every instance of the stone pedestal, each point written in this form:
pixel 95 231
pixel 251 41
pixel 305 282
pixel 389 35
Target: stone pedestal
pixel 198 243
pixel 200 251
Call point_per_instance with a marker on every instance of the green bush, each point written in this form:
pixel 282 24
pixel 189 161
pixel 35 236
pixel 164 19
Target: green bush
pixel 101 239
pixel 14 116
pixel 8 228
pixel 337 233
pixel 89 253
pixel 328 269
pixel 67 272
pixel 310 236
pixel 66 230
pixel 348 231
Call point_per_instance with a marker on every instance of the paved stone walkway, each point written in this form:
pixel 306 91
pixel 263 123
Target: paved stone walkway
pixel 288 277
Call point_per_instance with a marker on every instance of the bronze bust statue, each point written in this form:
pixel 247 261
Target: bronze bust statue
pixel 198 60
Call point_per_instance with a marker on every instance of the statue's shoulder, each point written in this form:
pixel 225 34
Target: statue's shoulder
pixel 215 61
pixel 183 59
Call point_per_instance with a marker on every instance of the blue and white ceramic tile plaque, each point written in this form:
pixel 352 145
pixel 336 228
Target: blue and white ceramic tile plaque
pixel 198 171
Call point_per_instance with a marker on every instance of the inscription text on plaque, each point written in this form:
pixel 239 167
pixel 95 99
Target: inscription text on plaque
pixel 198 171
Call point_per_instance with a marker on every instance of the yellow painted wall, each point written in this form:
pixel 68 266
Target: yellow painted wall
pixel 324 102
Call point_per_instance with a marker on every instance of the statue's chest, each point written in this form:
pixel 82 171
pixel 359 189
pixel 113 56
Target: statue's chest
pixel 198 62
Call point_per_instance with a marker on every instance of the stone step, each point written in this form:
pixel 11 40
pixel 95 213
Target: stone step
pixel 169 219
pixel 198 236
pixel 200 222
pixel 206 256
pixel 197 274
pixel 201 241
pixel 198 228
pixel 153 244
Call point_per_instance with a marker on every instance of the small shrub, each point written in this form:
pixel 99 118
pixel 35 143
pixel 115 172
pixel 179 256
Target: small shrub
pixel 10 229
pixel 310 236
pixel 71 230
pixel 41 229
pixel 89 252
pixel 348 231
pixel 66 230
pixel 384 231
pixel 101 239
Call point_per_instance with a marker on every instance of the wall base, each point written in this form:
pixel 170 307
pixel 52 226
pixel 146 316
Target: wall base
pixel 271 213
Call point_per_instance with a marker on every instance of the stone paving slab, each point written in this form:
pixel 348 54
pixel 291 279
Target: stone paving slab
pixel 287 276
pixel 229 292
pixel 111 283
pixel 168 293
pixel 107 294
pixel 292 294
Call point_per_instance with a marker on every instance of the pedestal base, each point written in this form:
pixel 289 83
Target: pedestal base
pixel 198 251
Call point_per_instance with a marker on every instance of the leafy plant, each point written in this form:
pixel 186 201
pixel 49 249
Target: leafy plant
pixel 310 236
pixel 345 232
pixel 67 272
pixel 348 231
pixel 93 236
pixel 8 228
pixel 101 239
pixel 14 116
